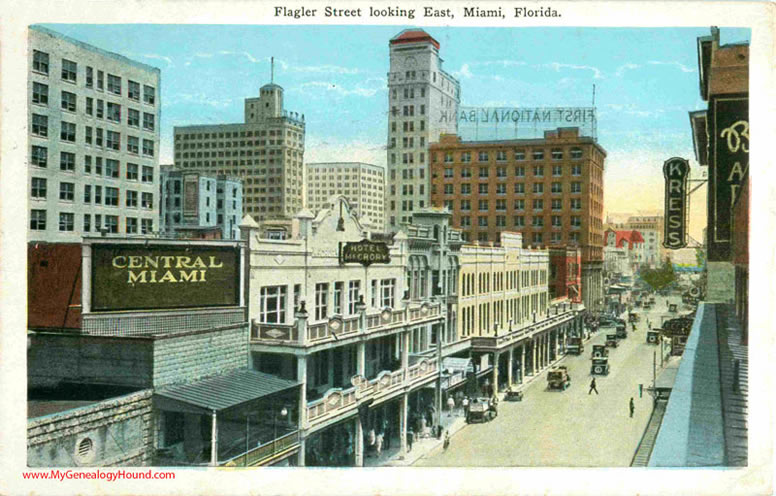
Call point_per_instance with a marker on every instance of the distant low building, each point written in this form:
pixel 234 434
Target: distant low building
pixel 199 206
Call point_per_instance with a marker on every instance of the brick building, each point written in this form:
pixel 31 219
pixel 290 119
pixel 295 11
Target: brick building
pixel 550 189
pixel 565 279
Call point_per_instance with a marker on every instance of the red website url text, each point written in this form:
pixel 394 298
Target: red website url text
pixel 110 476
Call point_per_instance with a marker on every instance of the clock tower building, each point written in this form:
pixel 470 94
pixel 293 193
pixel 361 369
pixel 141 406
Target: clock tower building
pixel 422 103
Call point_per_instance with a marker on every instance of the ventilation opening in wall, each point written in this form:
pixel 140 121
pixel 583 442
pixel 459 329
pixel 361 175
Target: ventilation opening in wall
pixel 85 450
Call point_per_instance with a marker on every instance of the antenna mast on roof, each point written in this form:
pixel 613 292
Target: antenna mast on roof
pixel 272 70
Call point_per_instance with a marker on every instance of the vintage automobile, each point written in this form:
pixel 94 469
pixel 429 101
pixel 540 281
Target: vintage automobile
pixel 481 410
pixel 558 378
pixel 651 300
pixel 599 351
pixel 621 333
pixel 637 303
pixel 605 320
pixel 512 395
pixel 672 308
pixel 575 346
pixel 600 366
pixel 611 341
pixel 653 337
pixel 633 317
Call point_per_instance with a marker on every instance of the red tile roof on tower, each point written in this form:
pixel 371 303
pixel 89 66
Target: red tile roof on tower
pixel 413 36
pixel 631 237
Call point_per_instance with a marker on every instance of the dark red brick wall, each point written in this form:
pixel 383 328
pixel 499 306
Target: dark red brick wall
pixel 54 285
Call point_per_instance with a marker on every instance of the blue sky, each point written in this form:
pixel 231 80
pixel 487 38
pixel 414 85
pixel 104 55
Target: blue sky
pixel 646 81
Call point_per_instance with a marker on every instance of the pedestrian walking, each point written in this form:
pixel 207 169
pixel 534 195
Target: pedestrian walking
pixel 410 439
pixel 450 406
pixel 592 387
pixel 379 445
pixel 632 408
pixel 465 406
pixel 447 440
pixel 387 437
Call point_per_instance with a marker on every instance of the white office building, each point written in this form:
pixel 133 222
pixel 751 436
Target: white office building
pixel 362 184
pixel 93 141
pixel 422 104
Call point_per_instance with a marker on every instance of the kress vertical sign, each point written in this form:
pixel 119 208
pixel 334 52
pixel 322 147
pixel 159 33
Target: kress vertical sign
pixel 676 172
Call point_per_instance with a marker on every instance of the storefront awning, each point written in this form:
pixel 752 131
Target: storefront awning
pixel 457 365
pixel 222 392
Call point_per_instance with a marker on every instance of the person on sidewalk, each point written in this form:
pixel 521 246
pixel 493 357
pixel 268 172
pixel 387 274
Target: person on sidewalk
pixel 450 406
pixel 632 408
pixel 387 434
pixel 379 445
pixel 465 406
pixel 447 440
pixel 592 387
pixel 410 439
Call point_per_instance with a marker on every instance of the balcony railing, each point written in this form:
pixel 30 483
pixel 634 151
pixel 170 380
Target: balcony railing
pixel 529 328
pixel 255 456
pixel 338 401
pixel 321 332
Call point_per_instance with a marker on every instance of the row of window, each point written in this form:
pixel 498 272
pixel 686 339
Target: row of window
pixel 107 167
pixel 501 172
pixel 501 189
pixel 501 155
pixel 236 134
pixel 537 238
pixel 98 137
pixel 408 126
pixel 330 299
pixel 102 110
pixel 38 222
pixel 39 191
pixel 519 204
pixel 575 221
pixel 69 73
pixel 409 142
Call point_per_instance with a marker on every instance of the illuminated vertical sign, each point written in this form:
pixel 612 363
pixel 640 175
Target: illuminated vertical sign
pixel 676 172
pixel 729 163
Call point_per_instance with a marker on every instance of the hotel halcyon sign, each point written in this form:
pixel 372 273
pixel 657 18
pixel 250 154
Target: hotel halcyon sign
pixel 364 252
pixel 135 277
pixel 677 173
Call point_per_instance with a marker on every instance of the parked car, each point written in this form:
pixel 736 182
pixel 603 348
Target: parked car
pixel 481 410
pixel 558 378
pixel 653 337
pixel 611 341
pixel 672 308
pixel 621 333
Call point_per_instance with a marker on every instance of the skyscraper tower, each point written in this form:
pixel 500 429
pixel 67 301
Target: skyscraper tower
pixel 422 103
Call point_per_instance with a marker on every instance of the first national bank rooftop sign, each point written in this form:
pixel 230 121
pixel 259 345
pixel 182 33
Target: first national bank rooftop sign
pixel 139 277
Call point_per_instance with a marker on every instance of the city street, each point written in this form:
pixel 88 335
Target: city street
pixel 569 428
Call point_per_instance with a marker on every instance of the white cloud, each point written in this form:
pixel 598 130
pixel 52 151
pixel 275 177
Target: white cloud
pixel 557 66
pixel 678 65
pixel 199 99
pixel 313 86
pixel 502 63
pixel 155 56
pixel 625 67
pixel 325 69
pixel 464 72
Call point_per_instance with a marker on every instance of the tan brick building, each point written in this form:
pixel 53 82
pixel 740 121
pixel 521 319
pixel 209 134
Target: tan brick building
pixel 550 189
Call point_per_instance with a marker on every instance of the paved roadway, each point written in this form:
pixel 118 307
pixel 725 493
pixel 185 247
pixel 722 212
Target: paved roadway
pixel 570 428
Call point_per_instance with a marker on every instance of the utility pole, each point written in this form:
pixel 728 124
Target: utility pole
pixel 654 366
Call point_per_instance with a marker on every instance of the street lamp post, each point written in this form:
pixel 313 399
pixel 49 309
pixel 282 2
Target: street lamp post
pixel 283 412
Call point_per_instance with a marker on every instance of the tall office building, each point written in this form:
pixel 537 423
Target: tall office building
pixel 423 103
pixel 362 184
pixel 93 138
pixel 266 152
